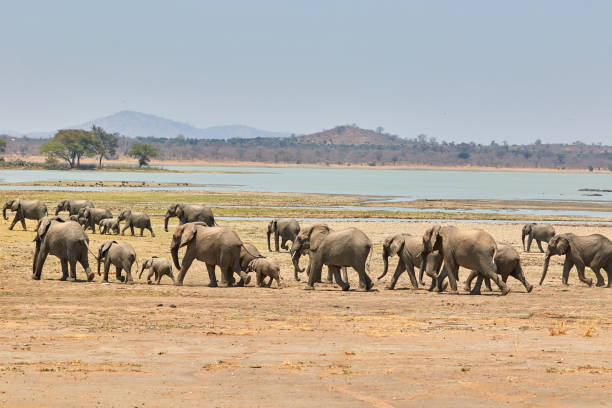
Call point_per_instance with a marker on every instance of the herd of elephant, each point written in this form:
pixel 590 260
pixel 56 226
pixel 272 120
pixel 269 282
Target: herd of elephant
pixel 439 253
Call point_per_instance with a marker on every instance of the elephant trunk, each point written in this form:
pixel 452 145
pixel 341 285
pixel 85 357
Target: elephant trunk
pixel 34 262
pixel 167 216
pixel 296 264
pixel 98 259
pixel 385 256
pixel 523 239
pixel 6 218
pixel 269 233
pixel 423 263
pixel 174 251
pixel 545 269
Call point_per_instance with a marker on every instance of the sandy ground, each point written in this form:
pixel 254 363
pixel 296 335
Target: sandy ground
pixel 110 345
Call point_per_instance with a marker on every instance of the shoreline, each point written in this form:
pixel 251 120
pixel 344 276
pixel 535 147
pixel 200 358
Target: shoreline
pixel 116 165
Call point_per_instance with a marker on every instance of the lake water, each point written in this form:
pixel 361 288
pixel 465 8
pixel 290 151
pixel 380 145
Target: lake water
pixel 391 184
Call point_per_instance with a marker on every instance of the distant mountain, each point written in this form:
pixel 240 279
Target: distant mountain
pixel 134 124
pixel 351 135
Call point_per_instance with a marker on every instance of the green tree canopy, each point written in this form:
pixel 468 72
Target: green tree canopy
pixel 108 143
pixel 2 145
pixel 70 145
pixel 143 152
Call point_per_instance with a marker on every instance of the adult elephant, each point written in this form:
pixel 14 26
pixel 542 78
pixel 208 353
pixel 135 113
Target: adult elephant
pixel 335 249
pixel 594 251
pixel 72 206
pixel 135 219
pixel 408 248
pixel 472 249
pixel 64 239
pixel 93 216
pixel 211 245
pixel 539 232
pixel 287 228
pixel 189 213
pixel 24 209
pixel 120 254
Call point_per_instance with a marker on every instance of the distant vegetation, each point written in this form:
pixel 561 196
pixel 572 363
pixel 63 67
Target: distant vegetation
pixel 343 145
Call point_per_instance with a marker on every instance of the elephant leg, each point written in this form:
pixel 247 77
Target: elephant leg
pixel 126 226
pixel 118 274
pixel 476 289
pixel 421 281
pixel 363 276
pixel 40 261
pixel 583 279
pixel 284 244
pixel 106 269
pixel 452 270
pixel 73 271
pixel 336 272
pixel 270 282
pixel 600 279
pixel 468 282
pixel 345 274
pixel 608 270
pixel 276 241
pixel 330 275
pixel 245 278
pixel 85 264
pixel 128 275
pixel 399 269
pixel 488 269
pixel 529 240
pixel 64 263
pixel 151 230
pixel 132 229
pixel 150 275
pixel 539 245
pixel 520 276
pixel 14 222
pixel 187 261
pixel 314 267
pixel 23 224
pixel 567 267
pixel 259 279
pixel 487 282
pixel 212 278
pixel 142 232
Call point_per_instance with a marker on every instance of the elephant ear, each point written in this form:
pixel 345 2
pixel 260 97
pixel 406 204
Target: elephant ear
pixel 105 247
pixel 434 235
pixel 41 228
pixel 16 204
pixel 396 244
pixel 275 225
pixel 317 234
pixel 563 245
pixel 189 232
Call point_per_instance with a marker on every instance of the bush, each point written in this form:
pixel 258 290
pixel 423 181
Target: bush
pixel 464 155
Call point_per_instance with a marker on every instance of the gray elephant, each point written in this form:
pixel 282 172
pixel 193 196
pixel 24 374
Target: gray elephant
pixel 94 216
pixel 471 248
pixel 66 240
pixel 158 267
pixel 287 228
pixel 135 219
pixel 24 209
pixel 335 249
pixel 265 267
pixel 408 248
pixel 121 255
pixel 81 220
pixel 189 213
pixel 539 232
pixel 211 245
pixel 72 206
pixel 108 225
pixel 594 251
pixel 508 263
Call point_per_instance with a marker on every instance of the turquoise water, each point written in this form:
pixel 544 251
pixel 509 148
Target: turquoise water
pixel 392 184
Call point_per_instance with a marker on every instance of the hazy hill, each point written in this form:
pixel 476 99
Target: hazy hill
pixel 351 135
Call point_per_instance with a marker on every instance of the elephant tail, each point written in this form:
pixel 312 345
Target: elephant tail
pixel 253 255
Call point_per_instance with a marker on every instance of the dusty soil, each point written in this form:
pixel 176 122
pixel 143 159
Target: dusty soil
pixel 90 344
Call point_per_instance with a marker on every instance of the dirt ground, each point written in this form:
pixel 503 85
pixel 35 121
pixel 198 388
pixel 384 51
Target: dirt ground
pixel 110 345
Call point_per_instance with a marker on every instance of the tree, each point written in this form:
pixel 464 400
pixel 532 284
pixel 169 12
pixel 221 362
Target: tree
pixel 70 145
pixel 143 152
pixel 108 143
pixel 2 145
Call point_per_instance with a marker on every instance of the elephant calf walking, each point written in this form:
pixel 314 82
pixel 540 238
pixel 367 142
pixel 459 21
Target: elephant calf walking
pixel 265 267
pixel 508 263
pixel 158 268
pixel 108 225
pixel 121 255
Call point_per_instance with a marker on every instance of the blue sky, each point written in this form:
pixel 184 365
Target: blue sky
pixel 455 70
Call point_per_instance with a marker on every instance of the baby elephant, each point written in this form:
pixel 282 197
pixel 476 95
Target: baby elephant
pixel 265 267
pixel 122 255
pixel 158 267
pixel 508 263
pixel 135 219
pixel 109 225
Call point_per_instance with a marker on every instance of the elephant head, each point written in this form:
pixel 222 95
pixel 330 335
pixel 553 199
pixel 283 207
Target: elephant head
pixel 41 232
pixel 13 205
pixel 272 227
pixel 558 245
pixel 124 215
pixel 432 240
pixel 103 251
pixel 527 230
pixel 308 239
pixel 62 206
pixel 391 247
pixel 183 235
pixel 146 265
pixel 171 212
